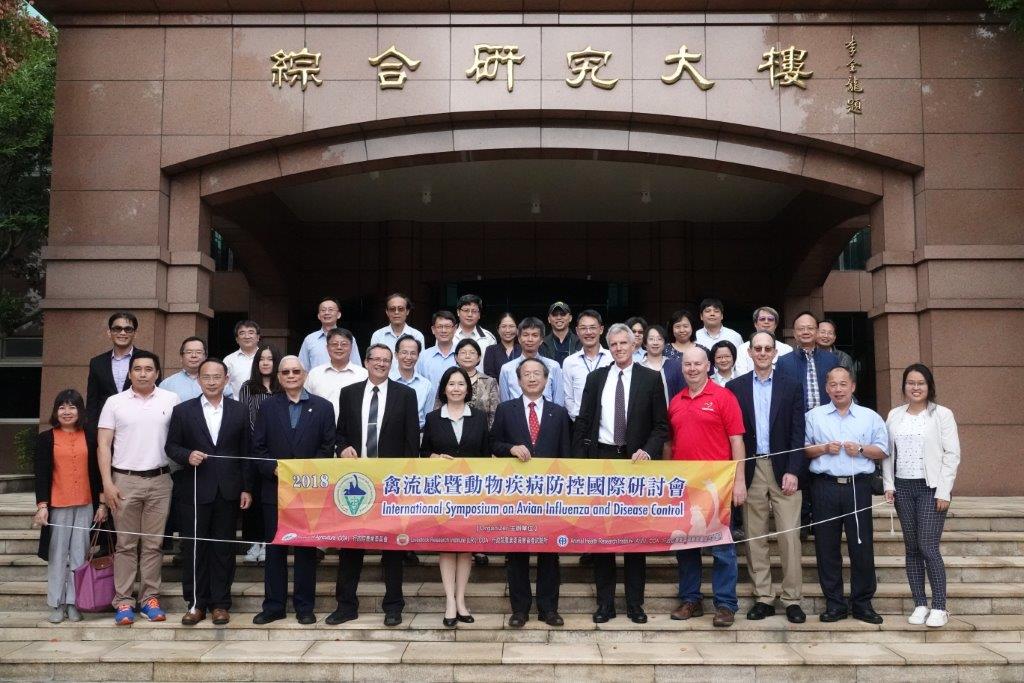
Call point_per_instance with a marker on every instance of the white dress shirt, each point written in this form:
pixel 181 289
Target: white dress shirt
pixel 575 369
pixel 606 430
pixel 239 369
pixel 382 397
pixel 213 416
pixel 705 339
pixel 745 364
pixel 326 381
pixel 538 406
pixel 457 425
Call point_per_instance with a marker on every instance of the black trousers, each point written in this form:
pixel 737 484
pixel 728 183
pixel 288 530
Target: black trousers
pixel 275 571
pixel 832 499
pixel 215 562
pixel 350 566
pixel 634 577
pixel 252 519
pixel 517 567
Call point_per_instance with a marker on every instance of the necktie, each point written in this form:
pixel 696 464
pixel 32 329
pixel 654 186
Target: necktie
pixel 534 423
pixel 371 425
pixel 619 431
pixel 813 397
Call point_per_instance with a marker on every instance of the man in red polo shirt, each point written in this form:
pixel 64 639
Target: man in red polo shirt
pixel 707 424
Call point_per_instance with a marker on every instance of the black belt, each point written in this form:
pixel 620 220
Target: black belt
pixel 145 474
pixel 840 480
pixel 607 449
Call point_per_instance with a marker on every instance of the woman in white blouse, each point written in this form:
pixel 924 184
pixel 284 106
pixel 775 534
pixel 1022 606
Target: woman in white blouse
pixel 918 477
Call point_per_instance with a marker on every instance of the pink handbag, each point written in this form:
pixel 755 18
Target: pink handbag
pixel 94 580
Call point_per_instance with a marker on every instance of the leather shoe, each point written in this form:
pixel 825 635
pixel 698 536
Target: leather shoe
pixel 637 615
pixel 392 618
pixel 220 616
pixel 465 618
pixel 602 616
pixel 267 617
pixel 687 610
pixel 724 617
pixel 795 615
pixel 338 617
pixel 411 559
pixel 831 615
pixel 451 622
pixel 305 618
pixel 552 619
pixel 193 617
pixel 518 620
pixel 868 615
pixel 760 610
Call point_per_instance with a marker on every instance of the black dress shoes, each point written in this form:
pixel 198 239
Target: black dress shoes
pixel 637 615
pixel 795 615
pixel 517 620
pixel 868 615
pixel 267 617
pixel 760 610
pixel 411 559
pixel 465 618
pixel 552 619
pixel 338 617
pixel 392 618
pixel 449 622
pixel 602 616
pixel 305 618
pixel 830 615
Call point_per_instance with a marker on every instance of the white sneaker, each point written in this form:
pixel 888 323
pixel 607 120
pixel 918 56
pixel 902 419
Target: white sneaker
pixel 919 616
pixel 253 554
pixel 263 553
pixel 937 618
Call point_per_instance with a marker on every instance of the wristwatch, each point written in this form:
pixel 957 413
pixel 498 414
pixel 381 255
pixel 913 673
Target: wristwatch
pixel 860 450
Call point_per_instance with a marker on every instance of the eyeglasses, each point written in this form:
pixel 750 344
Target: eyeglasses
pixel 762 349
pixel 587 328
pixel 766 318
pixel 293 371
pixel 116 329
pixel 444 328
pixel 396 309
pixel 379 360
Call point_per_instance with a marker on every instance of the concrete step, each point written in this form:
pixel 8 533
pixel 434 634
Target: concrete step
pixel 660 568
pixel 16 483
pixel 391 660
pixel 493 627
pixel 576 598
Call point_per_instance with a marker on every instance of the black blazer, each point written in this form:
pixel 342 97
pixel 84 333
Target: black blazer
pixel 44 478
pixel 510 429
pixel 439 436
pixel 399 434
pixel 273 437
pixel 785 423
pixel 188 432
pixel 100 385
pixel 647 414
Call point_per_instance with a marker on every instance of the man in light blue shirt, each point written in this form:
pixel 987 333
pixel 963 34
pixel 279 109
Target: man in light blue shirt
pixel 844 441
pixel 186 383
pixel 397 306
pixel 531 336
pixel 408 352
pixel 441 356
pixel 314 346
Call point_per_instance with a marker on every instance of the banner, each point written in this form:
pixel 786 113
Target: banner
pixel 500 505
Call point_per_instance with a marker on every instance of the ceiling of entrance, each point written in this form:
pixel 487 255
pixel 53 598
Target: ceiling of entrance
pixel 538 190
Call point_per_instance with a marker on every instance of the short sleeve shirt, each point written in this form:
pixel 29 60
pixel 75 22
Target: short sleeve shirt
pixel 702 425
pixel 140 427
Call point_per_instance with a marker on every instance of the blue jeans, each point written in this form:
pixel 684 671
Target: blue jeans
pixel 723 575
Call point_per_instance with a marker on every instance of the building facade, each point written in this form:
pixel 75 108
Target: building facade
pixel 639 158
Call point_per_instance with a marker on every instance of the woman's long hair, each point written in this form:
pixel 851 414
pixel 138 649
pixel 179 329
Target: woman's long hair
pixel 255 383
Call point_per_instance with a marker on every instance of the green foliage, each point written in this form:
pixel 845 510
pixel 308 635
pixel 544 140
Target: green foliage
pixel 28 60
pixel 25 449
pixel 1013 9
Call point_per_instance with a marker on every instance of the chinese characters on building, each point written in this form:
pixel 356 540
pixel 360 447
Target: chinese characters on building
pixel 854 104
pixel 786 67
pixel 289 67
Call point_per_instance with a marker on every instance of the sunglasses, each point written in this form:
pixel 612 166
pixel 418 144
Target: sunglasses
pixel 122 328
pixel 290 372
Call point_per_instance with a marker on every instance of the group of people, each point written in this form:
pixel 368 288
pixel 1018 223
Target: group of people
pixel 787 416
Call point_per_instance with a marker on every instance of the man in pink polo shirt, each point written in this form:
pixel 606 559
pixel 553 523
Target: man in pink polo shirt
pixel 707 424
pixel 137 484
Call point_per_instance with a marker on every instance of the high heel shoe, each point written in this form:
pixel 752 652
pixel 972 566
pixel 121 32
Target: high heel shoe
pixel 449 623
pixel 465 618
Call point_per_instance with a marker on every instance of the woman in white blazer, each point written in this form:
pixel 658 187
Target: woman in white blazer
pixel 919 478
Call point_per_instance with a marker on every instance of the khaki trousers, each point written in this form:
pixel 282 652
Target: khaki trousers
pixel 765 496
pixel 143 509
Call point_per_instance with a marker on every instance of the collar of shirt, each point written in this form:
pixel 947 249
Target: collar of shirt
pixel 539 403
pixel 415 379
pixel 446 415
pixel 348 369
pixel 438 352
pixel 626 371
pixel 706 389
pixel 304 396
pixel 763 382
pixel 831 408
pixel 140 397
pixel 127 354
pixel 205 403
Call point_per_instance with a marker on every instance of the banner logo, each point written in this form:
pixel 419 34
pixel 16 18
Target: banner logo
pixel 354 494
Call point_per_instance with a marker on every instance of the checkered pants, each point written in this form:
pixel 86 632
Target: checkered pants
pixel 922 531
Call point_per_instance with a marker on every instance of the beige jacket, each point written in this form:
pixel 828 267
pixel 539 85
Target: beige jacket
pixel 941 449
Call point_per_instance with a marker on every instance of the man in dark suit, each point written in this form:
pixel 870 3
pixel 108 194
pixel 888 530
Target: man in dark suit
pixel 524 428
pixel 773 419
pixel 377 417
pixel 108 372
pixel 290 425
pixel 622 415
pixel 214 489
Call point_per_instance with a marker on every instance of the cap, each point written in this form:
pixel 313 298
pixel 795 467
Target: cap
pixel 559 305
